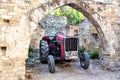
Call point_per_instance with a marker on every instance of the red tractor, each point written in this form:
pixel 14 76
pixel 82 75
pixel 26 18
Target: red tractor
pixel 61 47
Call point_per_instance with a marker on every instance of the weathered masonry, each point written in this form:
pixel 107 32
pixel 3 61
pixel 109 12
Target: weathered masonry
pixel 19 19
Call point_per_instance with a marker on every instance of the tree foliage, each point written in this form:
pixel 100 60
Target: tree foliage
pixel 73 16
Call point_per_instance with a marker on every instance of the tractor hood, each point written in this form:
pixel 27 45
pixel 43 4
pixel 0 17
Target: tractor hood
pixel 60 37
pixel 63 37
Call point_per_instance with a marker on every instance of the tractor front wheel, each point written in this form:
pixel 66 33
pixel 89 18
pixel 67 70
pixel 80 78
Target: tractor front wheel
pixel 84 60
pixel 51 64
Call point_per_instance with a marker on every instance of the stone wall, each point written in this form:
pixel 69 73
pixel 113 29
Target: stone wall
pixel 110 13
pixel 13 50
pixel 14 40
pixel 19 20
pixel 53 24
pixel 88 35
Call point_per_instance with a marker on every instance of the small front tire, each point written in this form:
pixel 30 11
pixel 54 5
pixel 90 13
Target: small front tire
pixel 84 60
pixel 51 64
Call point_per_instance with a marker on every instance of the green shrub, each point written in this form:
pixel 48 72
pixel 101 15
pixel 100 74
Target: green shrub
pixel 81 49
pixel 31 54
pixel 94 54
pixel 31 50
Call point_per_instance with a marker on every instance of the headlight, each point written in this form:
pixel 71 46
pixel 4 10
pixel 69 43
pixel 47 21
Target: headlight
pixel 71 55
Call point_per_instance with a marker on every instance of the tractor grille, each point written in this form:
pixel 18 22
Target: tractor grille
pixel 71 44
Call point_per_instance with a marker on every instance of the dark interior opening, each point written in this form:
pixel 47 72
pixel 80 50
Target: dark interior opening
pixel 6 21
pixel 3 48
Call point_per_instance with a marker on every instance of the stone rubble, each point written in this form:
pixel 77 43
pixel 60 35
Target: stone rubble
pixel 53 24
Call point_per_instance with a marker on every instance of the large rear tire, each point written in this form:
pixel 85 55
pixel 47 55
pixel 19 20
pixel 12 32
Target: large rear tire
pixel 84 60
pixel 44 51
pixel 51 64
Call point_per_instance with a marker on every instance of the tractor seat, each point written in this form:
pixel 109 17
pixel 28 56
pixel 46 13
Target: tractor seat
pixel 52 38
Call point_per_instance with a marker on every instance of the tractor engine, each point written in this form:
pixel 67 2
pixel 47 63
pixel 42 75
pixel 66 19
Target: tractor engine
pixel 68 46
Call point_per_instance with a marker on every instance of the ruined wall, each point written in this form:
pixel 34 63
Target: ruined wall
pixel 89 36
pixel 14 40
pixel 110 13
pixel 19 19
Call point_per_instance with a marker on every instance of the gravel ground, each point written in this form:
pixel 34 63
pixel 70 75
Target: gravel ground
pixel 71 71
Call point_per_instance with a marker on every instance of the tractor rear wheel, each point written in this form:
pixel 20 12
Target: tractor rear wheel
pixel 44 51
pixel 51 64
pixel 84 60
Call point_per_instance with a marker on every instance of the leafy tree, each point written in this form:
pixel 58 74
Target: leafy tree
pixel 73 16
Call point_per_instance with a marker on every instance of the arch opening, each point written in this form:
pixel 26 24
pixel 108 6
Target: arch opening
pixel 35 19
pixel 81 9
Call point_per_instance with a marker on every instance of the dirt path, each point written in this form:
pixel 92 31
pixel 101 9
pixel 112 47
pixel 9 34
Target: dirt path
pixel 72 71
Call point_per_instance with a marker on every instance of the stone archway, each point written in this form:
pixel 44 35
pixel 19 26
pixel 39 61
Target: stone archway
pixel 99 23
pixel 38 13
pixel 92 13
